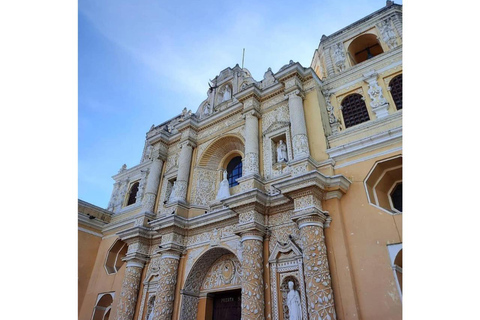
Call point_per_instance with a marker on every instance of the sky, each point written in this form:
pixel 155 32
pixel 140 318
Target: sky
pixel 140 63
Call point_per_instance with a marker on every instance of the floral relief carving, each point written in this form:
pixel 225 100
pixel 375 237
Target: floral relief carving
pixel 204 191
pixel 225 272
pixel 166 292
pixel 252 280
pixel 317 276
pixel 279 114
pixel 300 145
pixel 129 293
pixel 251 163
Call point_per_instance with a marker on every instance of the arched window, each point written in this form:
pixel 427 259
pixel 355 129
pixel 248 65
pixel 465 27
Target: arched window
pixel 396 91
pixel 132 194
pixel 234 171
pixel 354 110
pixel 101 311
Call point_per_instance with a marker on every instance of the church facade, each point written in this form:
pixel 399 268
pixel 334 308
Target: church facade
pixel 278 198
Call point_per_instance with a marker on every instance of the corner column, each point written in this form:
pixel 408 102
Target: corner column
pixel 135 258
pixel 299 127
pixel 153 181
pixel 310 218
pixel 165 294
pixel 251 229
pixel 251 163
pixel 179 192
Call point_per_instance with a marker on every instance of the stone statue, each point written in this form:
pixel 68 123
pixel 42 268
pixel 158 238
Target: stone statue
pixel 339 57
pixel 293 303
pixel 282 152
pixel 224 189
pixel 123 168
pixel 227 94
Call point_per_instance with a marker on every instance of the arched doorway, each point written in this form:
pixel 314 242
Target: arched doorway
pixel 213 287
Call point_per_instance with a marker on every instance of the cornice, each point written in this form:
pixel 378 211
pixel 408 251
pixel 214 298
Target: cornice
pixel 360 146
pixel 134 169
pixel 327 184
pixel 96 224
pixel 346 31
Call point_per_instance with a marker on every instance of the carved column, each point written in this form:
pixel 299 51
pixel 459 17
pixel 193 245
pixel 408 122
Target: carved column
pixel 130 287
pixel 251 229
pixel 253 292
pixel 152 183
pixel 165 294
pixel 310 218
pixel 179 192
pixel 299 127
pixel 251 164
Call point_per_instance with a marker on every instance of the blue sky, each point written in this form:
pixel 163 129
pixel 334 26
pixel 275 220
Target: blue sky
pixel 140 63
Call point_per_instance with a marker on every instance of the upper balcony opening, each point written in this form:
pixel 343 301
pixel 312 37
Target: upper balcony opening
pixel 364 47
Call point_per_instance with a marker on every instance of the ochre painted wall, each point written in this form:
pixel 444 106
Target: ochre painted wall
pixel 101 282
pixel 88 245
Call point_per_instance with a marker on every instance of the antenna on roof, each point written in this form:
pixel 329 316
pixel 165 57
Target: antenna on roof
pixel 243 57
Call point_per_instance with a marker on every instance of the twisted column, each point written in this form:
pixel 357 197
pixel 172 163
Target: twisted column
pixel 130 287
pixel 165 294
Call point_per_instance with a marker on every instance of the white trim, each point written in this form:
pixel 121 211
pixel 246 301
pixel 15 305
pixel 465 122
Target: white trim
pixel 90 232
pixel 363 145
pixel 133 263
pixel 309 223
pixel 378 181
pixel 251 237
pixel 346 164
pixel 171 256
pixel 395 184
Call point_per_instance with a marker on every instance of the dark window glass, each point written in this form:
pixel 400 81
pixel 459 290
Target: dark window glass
pixel 234 171
pixel 396 91
pixel 396 196
pixel 354 110
pixel 132 196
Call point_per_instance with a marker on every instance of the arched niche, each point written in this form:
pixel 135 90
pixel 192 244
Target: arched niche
pixel 364 47
pixel 190 293
pixel 212 161
pixel 102 308
pixel 286 264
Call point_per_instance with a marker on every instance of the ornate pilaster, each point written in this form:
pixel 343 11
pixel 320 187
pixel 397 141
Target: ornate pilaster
pixel 251 164
pixel 165 294
pixel 332 119
pixel 251 114
pixel 253 292
pixel 378 103
pixel 137 255
pixel 310 218
pixel 179 192
pixel 153 182
pixel 130 287
pixel 299 127
pixel 251 229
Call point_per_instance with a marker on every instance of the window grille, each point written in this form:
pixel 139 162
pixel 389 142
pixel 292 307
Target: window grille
pixel 396 91
pixel 354 110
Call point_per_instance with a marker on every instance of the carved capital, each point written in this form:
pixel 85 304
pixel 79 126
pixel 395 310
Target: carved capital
pixel 295 93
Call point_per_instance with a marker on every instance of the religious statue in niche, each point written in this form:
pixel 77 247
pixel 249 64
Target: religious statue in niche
pixel 207 109
pixel 293 303
pixel 227 93
pixel 224 189
pixel 282 152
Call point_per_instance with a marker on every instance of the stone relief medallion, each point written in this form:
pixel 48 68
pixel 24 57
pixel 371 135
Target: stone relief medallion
pixel 228 270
